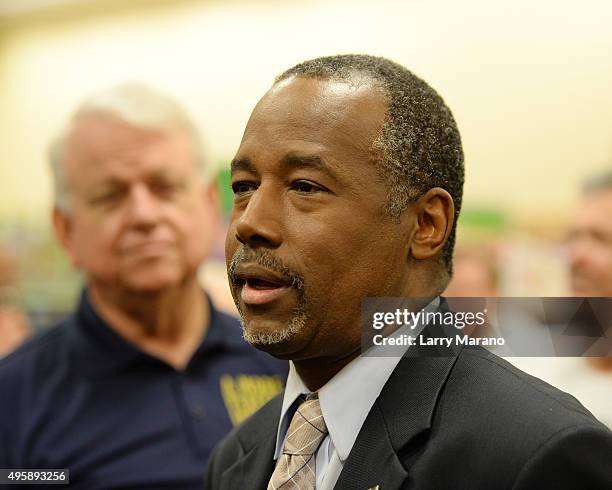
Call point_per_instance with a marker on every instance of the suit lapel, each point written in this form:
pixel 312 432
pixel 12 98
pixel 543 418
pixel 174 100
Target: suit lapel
pixel 372 460
pixel 253 469
pixel 403 411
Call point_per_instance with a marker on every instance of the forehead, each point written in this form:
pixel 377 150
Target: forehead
pixel 340 118
pixel 100 144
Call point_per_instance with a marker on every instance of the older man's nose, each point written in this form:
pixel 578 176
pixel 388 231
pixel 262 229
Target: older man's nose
pixel 578 252
pixel 144 208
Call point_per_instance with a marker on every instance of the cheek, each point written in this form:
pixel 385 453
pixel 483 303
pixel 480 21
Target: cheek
pixel 93 246
pixel 98 236
pixel 198 230
pixel 602 260
pixel 596 255
pixel 337 278
pixel 341 272
pixel 231 244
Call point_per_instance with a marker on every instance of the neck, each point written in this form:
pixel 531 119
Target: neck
pixel 168 324
pixel 315 373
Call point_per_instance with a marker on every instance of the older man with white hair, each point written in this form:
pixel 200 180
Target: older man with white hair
pixel 135 388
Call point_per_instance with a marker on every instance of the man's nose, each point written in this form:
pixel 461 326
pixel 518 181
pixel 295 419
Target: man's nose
pixel 143 207
pixel 578 253
pixel 259 225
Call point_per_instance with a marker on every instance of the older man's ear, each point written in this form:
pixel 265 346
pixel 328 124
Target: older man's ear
pixel 62 225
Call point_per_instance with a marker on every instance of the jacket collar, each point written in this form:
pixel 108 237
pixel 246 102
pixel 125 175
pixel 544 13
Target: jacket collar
pixel 257 441
pixel 389 430
pixel 414 387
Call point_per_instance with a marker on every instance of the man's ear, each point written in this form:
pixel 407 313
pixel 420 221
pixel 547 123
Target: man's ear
pixel 62 224
pixel 435 214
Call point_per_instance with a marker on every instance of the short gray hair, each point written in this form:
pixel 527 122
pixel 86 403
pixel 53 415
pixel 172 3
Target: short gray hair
pixel 419 146
pixel 138 105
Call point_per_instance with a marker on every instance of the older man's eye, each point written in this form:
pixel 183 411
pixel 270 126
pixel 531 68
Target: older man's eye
pixel 106 198
pixel 165 189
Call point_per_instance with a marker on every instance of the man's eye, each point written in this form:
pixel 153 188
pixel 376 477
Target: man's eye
pixel 242 187
pixel 163 188
pixel 305 187
pixel 106 198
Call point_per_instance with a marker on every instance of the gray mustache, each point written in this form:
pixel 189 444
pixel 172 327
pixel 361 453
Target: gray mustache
pixel 266 259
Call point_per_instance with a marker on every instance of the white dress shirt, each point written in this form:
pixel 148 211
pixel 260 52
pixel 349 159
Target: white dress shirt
pixel 346 400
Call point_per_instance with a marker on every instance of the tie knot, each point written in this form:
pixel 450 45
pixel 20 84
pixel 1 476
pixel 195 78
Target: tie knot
pixel 307 429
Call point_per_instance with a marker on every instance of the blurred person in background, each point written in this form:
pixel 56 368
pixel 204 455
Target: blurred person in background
pixel 589 252
pixel 135 388
pixel 589 240
pixel 589 245
pixel 474 274
pixel 14 324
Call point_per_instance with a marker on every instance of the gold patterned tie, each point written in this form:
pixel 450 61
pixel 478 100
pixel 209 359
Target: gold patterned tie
pixel 295 468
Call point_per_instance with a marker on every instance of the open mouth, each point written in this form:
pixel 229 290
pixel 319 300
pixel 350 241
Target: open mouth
pixel 260 286
pixel 258 292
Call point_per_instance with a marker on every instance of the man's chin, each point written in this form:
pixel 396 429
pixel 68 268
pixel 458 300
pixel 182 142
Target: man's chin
pixel 584 288
pixel 280 350
pixel 279 341
pixel 152 283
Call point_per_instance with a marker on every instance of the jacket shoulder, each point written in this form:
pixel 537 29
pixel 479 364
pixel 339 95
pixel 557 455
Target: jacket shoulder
pixel 512 427
pixel 26 377
pixel 496 384
pixel 37 355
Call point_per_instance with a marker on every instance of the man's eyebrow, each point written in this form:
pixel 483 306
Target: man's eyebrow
pixel 308 161
pixel 108 182
pixel 242 164
pixel 291 160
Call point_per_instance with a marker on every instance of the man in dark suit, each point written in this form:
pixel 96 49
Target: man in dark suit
pixel 347 185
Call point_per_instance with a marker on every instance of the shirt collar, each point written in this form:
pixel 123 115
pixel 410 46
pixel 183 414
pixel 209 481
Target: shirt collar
pixel 347 398
pixel 98 349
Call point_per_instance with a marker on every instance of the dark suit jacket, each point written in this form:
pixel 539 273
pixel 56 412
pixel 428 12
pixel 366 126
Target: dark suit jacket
pixel 468 422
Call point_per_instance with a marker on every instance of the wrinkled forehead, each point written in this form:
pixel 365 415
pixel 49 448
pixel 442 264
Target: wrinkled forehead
pixel 349 113
pixel 97 134
pixel 102 148
pixel 100 138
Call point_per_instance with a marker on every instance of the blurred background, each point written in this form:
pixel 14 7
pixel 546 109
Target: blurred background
pixel 530 84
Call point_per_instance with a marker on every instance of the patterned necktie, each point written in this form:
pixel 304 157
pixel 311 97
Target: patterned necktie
pixel 295 468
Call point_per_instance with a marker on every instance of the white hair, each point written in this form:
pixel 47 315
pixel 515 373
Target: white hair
pixel 138 105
